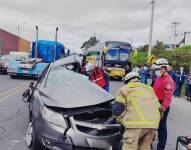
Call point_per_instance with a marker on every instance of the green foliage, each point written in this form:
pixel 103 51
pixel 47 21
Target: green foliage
pixel 143 48
pixel 140 58
pixel 91 42
pixel 178 57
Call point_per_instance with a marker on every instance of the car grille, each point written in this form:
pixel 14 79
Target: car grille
pixel 96 132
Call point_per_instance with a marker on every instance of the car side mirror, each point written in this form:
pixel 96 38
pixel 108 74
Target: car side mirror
pixel 26 95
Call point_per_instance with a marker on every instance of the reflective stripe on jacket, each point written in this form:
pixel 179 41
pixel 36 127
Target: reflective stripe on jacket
pixel 141 106
pixel 98 77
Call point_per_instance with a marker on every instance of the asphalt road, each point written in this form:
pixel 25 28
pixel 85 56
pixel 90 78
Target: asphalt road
pixel 14 115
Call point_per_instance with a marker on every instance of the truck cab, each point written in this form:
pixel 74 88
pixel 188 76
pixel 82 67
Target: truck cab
pixel 43 53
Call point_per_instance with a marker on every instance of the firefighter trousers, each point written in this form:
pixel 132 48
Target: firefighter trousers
pixel 138 139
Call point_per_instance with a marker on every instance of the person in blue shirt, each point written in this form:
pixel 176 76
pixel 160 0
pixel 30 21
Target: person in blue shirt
pixel 172 73
pixel 143 74
pixel 181 77
pixel 188 86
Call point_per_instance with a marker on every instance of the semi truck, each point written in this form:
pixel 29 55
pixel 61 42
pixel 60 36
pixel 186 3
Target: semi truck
pixel 43 53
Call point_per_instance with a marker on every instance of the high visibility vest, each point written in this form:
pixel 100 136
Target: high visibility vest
pixel 141 106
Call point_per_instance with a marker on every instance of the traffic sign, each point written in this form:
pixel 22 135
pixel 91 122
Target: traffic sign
pixel 152 59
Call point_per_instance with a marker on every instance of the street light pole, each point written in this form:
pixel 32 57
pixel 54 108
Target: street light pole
pixel 151 28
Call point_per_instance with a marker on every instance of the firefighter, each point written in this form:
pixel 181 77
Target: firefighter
pixel 136 107
pixel 164 89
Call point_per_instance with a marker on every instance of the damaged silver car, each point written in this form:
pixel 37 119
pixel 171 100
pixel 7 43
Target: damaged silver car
pixel 69 112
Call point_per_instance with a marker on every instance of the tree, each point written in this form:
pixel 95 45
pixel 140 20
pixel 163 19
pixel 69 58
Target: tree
pixel 159 46
pixel 143 48
pixel 91 42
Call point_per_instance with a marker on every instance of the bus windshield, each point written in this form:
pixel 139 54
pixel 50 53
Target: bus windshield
pixel 124 55
pixel 118 55
pixel 112 54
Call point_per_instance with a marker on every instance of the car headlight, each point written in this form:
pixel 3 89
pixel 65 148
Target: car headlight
pixel 53 117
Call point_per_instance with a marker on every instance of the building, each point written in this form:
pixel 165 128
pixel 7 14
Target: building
pixel 10 42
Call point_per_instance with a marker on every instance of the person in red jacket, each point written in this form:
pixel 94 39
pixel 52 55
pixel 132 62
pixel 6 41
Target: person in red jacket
pixel 97 76
pixel 164 88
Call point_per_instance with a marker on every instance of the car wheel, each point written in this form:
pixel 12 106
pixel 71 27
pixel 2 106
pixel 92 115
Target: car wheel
pixel 31 140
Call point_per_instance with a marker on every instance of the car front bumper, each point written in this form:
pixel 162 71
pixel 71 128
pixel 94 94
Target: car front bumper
pixel 57 138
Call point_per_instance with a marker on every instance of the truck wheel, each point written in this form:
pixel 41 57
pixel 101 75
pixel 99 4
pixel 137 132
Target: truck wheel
pixel 13 76
pixel 31 139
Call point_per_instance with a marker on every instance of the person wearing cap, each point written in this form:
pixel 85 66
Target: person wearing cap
pixel 164 88
pixel 136 107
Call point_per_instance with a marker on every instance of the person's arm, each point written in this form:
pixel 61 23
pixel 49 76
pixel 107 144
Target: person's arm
pixel 168 93
pixel 119 105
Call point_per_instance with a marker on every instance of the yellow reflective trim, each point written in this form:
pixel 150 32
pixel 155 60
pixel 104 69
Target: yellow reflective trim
pixel 134 124
pixel 143 121
pixel 121 99
pixel 154 123
pixel 133 85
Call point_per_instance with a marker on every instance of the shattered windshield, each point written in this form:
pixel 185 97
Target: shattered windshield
pixel 60 75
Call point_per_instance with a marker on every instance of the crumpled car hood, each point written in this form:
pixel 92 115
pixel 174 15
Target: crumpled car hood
pixel 78 92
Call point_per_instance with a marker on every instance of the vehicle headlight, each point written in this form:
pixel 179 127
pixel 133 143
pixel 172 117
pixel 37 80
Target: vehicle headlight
pixel 53 117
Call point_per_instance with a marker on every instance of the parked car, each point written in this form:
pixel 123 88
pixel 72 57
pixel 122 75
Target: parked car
pixel 68 111
pixel 5 59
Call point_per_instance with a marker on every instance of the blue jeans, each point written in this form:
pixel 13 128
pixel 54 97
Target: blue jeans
pixel 178 88
pixel 188 89
pixel 162 131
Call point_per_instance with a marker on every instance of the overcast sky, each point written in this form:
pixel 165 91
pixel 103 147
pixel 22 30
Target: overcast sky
pixel 109 19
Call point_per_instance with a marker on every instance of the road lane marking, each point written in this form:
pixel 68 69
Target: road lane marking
pixel 14 92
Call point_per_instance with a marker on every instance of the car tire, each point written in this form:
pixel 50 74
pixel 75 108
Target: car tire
pixel 120 78
pixel 31 139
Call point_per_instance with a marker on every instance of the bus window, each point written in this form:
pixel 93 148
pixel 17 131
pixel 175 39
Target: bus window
pixel 112 54
pixel 124 55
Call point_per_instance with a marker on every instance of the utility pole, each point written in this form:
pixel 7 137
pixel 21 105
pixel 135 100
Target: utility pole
pixel 55 46
pixel 175 31
pixel 151 28
pixel 36 43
